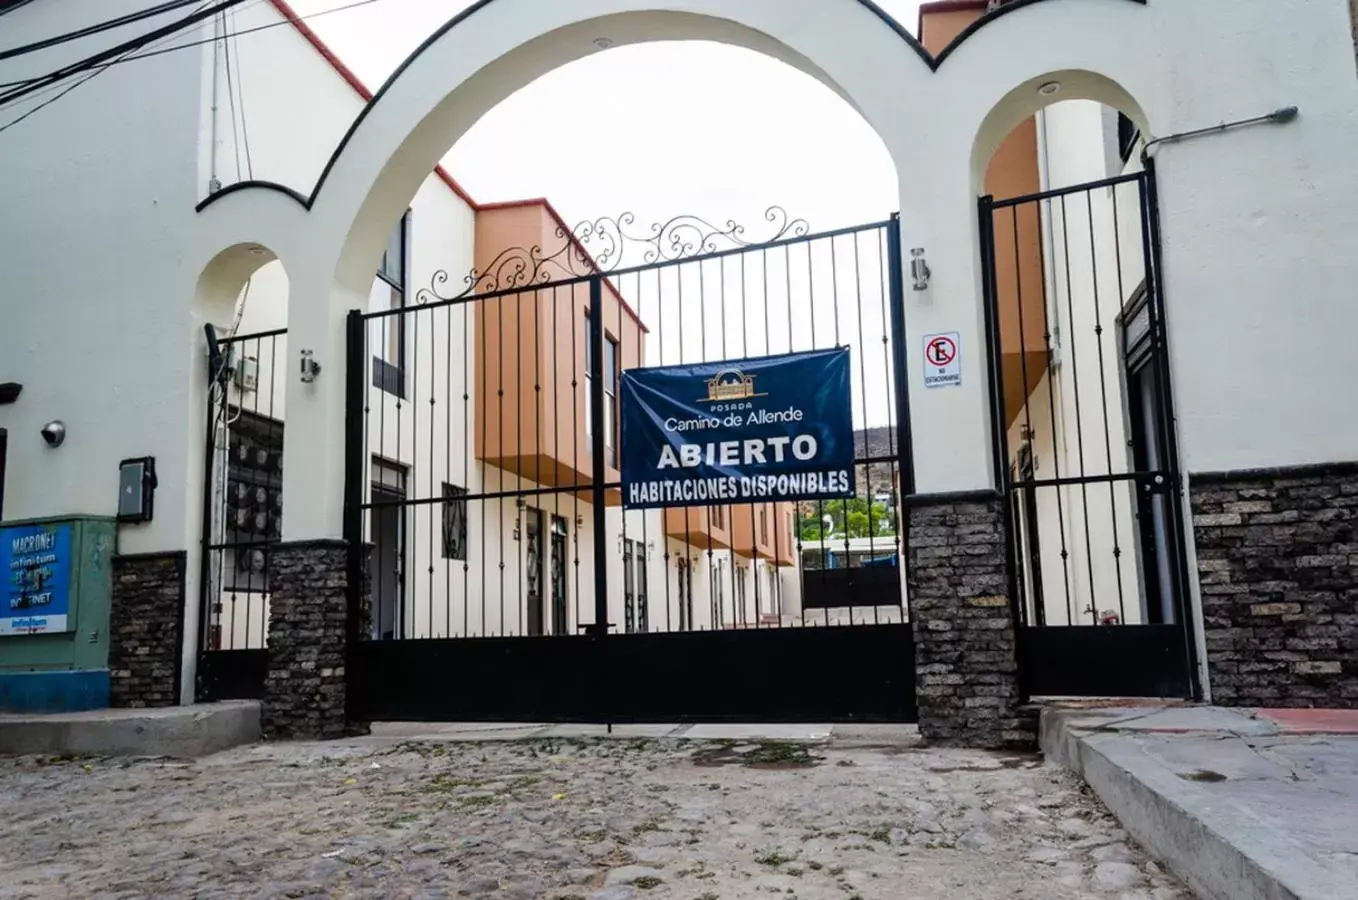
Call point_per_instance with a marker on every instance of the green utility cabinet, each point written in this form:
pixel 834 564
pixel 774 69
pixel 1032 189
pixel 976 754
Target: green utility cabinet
pixel 56 581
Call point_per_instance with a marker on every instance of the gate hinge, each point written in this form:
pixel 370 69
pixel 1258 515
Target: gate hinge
pixel 1157 484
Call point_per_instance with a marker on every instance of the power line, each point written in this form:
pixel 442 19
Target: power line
pixel 192 44
pixel 98 28
pixel 114 52
pixel 63 92
pixel 244 126
pixel 103 66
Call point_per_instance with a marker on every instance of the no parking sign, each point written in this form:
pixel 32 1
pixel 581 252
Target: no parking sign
pixel 942 360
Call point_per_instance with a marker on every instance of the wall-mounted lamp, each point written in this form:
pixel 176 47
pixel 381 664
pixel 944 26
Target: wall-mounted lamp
pixel 310 368
pixel 10 391
pixel 919 269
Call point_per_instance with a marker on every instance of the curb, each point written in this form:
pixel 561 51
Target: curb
pixel 180 731
pixel 1217 849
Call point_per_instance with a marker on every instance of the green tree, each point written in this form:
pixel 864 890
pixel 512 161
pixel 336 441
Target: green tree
pixel 855 516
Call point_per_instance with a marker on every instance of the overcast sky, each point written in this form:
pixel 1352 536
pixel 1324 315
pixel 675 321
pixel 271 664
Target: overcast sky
pixel 663 130
pixel 658 129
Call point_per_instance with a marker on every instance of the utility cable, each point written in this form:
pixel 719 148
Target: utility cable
pixel 119 50
pixel 191 44
pixel 98 28
pixel 67 89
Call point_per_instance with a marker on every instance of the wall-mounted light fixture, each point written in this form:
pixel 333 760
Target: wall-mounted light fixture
pixel 9 392
pixel 919 269
pixel 310 368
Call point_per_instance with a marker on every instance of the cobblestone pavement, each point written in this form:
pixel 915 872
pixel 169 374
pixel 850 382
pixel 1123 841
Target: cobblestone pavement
pixel 565 820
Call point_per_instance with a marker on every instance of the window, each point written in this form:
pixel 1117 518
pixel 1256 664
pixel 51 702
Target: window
pixel 1128 135
pixel 611 423
pixel 718 596
pixel 717 516
pixel 741 572
pixel 454 522
pixel 610 371
pixel 387 334
pixel 589 381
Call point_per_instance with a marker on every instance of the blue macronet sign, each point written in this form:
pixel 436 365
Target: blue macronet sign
pixel 772 428
pixel 35 565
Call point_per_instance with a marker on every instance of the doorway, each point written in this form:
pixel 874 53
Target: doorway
pixel 533 572
pixel 559 621
pixel 1148 454
pixel 386 531
pixel 1029 572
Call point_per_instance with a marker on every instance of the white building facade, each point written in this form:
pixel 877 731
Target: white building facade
pixel 134 239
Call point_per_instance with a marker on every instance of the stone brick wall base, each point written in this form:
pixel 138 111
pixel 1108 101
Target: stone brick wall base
pixel 965 655
pixel 146 629
pixel 304 692
pixel 1278 569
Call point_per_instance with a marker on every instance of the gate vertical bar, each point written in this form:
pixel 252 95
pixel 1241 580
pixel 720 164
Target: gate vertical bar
pixel 4 441
pixel 355 385
pixel 994 351
pixel 209 502
pixel 900 366
pixel 596 389
pixel 1150 205
pixel 990 289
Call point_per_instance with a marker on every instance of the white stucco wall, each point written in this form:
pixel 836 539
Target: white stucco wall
pixel 97 193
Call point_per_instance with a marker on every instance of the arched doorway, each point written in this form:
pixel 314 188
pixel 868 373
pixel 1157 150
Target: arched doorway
pixel 1085 446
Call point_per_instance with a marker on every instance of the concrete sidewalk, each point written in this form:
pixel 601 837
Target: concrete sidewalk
pixel 1240 804
pixel 814 733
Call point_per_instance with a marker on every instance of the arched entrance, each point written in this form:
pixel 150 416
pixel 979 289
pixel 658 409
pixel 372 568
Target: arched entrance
pixel 1086 451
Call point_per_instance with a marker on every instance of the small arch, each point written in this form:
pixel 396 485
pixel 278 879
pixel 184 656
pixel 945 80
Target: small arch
pixel 1028 99
pixel 224 280
pixel 1079 398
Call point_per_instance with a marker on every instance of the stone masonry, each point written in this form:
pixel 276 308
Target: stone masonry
pixel 145 623
pixel 1278 566
pixel 965 652
pixel 304 691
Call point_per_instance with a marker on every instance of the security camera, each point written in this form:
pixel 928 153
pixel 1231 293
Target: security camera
pixel 54 433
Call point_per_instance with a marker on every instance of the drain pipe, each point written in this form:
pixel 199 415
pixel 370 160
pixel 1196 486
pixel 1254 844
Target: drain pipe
pixel 214 184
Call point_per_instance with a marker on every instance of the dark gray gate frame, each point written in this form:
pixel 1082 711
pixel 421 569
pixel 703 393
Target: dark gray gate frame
pixel 1148 196
pixel 894 663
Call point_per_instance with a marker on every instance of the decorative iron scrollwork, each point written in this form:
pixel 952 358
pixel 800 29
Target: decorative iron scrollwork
pixel 604 245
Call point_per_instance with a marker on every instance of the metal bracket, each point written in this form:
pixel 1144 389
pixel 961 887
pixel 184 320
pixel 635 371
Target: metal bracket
pixel 310 368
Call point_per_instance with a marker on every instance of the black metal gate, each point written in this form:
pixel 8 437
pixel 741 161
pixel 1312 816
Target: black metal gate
pixel 242 513
pixel 1084 440
pixel 505 580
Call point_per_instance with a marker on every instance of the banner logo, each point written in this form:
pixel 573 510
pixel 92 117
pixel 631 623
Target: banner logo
pixel 730 384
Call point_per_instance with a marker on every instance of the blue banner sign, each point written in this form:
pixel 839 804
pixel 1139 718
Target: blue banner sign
pixel 753 430
pixel 35 565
